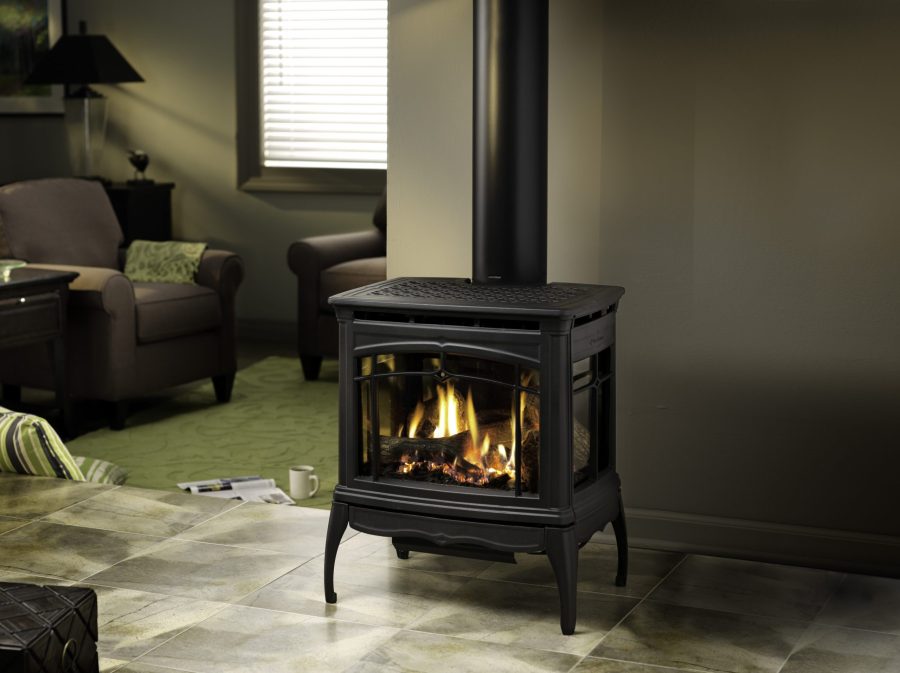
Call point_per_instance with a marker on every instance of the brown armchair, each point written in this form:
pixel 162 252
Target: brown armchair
pixel 124 339
pixel 326 265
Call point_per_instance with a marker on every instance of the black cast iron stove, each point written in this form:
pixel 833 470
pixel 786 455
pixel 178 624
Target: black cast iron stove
pixel 477 418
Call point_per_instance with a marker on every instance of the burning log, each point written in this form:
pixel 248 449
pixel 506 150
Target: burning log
pixel 448 460
pixel 449 439
pixel 435 450
pixel 581 445
pixel 530 468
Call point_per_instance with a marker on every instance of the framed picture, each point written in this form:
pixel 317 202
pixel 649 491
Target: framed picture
pixel 28 28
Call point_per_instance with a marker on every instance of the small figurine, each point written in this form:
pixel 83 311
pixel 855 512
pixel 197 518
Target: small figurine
pixel 140 160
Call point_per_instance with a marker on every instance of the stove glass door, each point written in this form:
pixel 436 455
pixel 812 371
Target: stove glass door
pixel 450 419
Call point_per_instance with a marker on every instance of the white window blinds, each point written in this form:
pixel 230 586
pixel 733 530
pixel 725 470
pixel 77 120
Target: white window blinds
pixel 323 75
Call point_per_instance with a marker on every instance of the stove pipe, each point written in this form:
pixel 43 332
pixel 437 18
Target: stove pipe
pixel 509 219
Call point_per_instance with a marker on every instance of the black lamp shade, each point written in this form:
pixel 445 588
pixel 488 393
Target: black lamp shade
pixel 83 59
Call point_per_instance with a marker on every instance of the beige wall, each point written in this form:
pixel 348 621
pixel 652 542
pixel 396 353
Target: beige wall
pixel 430 139
pixel 183 115
pixel 741 183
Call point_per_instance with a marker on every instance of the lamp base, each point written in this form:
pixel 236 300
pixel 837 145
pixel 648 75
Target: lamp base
pixel 86 127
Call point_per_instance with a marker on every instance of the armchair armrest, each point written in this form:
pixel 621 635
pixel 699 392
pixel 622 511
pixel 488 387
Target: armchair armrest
pixel 101 322
pixel 220 270
pixel 98 287
pixel 308 257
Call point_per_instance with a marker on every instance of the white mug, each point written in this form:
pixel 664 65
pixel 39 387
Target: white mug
pixel 301 478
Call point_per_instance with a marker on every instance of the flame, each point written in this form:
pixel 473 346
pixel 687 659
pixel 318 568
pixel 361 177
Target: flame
pixel 417 415
pixel 448 412
pixel 479 461
pixel 471 418
pixel 510 465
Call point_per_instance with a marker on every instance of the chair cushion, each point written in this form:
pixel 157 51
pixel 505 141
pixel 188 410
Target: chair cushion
pixel 169 310
pixel 30 445
pixel 163 261
pixel 350 275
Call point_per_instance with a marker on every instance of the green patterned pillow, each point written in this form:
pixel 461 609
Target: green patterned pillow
pixel 101 471
pixel 163 261
pixel 29 445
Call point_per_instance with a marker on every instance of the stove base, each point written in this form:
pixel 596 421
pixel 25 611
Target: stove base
pixel 476 539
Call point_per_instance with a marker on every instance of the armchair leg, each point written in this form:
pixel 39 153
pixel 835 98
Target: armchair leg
pixel 223 383
pixel 119 412
pixel 311 365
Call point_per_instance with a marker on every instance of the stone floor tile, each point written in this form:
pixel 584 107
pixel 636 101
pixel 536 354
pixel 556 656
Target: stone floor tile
pixel 377 550
pixel 132 623
pixel 748 587
pixel 197 570
pixel 27 497
pixel 861 602
pixel 835 650
pixel 292 530
pixel 67 552
pixel 593 665
pixel 523 615
pixel 141 510
pixel 111 665
pixel 7 575
pixel 8 524
pixel 248 640
pixel 412 652
pixel 136 667
pixel 597 565
pixel 367 594
pixel 684 637
pixel 163 602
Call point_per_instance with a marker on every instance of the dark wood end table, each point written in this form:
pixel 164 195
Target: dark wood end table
pixel 33 310
pixel 144 209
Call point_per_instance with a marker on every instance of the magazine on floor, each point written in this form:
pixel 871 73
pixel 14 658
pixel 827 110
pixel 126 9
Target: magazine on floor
pixel 250 489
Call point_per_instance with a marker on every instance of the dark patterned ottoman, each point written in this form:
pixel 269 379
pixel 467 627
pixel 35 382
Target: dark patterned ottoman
pixel 47 629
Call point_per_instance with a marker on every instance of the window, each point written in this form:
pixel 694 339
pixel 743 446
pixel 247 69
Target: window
pixel 312 95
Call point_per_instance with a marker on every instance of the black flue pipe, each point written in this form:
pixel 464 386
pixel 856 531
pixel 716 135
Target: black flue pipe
pixel 509 219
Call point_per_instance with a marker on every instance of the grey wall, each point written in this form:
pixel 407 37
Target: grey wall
pixel 738 166
pixel 183 115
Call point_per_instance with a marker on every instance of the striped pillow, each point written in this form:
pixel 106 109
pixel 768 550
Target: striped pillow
pixel 101 471
pixel 29 445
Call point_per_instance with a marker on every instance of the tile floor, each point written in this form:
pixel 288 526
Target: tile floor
pixel 195 584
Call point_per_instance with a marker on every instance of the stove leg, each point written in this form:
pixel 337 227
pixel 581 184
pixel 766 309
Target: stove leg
pixel 621 544
pixel 402 554
pixel 562 550
pixel 337 524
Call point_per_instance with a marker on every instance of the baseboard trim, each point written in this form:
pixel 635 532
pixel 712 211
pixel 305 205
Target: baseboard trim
pixel 761 541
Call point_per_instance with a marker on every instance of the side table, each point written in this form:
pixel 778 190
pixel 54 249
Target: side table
pixel 144 210
pixel 33 310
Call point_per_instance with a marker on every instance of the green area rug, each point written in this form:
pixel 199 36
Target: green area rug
pixel 275 419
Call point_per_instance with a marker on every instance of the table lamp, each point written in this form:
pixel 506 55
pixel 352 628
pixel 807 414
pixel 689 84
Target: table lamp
pixel 81 60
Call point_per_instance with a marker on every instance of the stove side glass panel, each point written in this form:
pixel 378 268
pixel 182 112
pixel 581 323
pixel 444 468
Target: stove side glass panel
pixel 590 416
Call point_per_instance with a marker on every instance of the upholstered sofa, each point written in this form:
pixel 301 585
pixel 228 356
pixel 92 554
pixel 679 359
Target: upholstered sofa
pixel 326 265
pixel 124 339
